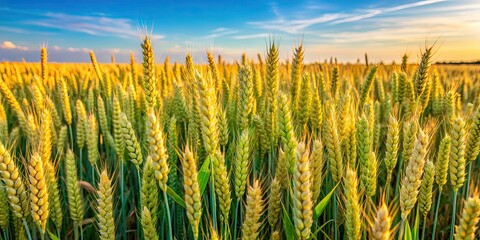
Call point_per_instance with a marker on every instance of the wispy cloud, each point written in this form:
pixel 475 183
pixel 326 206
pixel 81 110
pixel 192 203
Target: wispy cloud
pixel 220 29
pixel 406 29
pixel 99 52
pixel 375 12
pixel 384 28
pixel 276 10
pixel 220 32
pixel 11 45
pixel 92 25
pixel 251 36
pixel 72 49
pixel 13 30
pixel 295 26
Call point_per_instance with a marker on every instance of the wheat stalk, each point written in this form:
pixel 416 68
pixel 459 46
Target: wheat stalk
pixel 157 150
pixel 130 141
pixel 302 193
pixel 222 186
pixel 457 153
pixel 82 124
pixel 317 164
pixel 352 205
pixel 92 140
pixel 148 226
pixel 254 208
pixel 150 81
pixel 15 188
pixel 75 198
pixel 38 192
pixel 413 173
pixel 207 106
pixel 382 224
pixel 192 192
pixel 469 219
pixel 4 209
pixel 426 189
pixel 245 97
pixel 242 163
pixel 149 191
pixel 333 146
pixel 105 214
pixel 391 146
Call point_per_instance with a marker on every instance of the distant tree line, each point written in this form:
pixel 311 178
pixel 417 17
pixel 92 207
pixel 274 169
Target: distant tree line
pixel 458 63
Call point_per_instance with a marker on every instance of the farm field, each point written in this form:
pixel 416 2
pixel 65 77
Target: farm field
pixel 253 149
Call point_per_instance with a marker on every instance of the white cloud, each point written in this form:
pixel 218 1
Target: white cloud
pixel 405 29
pixel 13 30
pixel 92 25
pixel 71 49
pixel 295 26
pixel 275 10
pixel 220 29
pixel 251 36
pixel 11 45
pixel 220 32
pixel 8 45
pixel 375 12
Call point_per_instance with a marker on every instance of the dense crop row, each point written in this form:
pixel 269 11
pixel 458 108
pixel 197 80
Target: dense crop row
pixel 257 149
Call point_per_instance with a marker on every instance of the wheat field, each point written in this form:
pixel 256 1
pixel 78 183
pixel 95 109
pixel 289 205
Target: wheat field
pixel 255 149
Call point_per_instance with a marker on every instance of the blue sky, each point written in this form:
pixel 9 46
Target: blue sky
pixel 344 28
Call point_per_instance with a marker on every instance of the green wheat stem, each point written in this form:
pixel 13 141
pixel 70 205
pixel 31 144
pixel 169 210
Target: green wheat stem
pixel 235 220
pixel 387 190
pixel 436 213
pixel 452 225
pixel 170 236
pixel 212 196
pixel 75 230
pixel 107 149
pixel 71 135
pixel 139 179
pixel 122 200
pixel 42 235
pixel 335 214
pixel 223 230
pixel 81 231
pixel 26 228
pixel 227 230
pixel 423 227
pixel 469 177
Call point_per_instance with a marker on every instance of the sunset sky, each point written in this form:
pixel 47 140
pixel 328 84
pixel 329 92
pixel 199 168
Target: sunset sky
pixel 345 29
